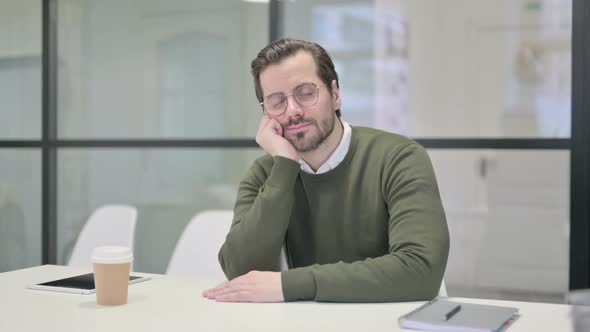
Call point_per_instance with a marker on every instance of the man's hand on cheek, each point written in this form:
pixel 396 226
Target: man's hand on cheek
pixel 270 138
pixel 255 286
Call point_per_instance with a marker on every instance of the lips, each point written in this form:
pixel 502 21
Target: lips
pixel 299 127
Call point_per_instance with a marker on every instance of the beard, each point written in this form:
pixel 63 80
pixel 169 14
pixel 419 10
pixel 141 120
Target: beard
pixel 311 139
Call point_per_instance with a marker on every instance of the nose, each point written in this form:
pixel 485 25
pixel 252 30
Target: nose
pixel 293 107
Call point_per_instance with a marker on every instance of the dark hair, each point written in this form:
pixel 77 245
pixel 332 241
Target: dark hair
pixel 280 49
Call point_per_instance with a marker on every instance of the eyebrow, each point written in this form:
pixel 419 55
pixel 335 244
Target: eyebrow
pixel 273 94
pixel 282 93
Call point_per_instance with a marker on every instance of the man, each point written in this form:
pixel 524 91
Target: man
pixel 357 209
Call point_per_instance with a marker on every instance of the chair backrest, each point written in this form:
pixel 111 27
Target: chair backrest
pixel 109 225
pixel 197 248
pixel 442 291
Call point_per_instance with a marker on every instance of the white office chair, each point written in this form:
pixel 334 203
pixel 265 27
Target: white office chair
pixel 196 250
pixel 442 291
pixel 109 225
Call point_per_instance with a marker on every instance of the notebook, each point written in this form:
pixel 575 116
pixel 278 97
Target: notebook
pixel 444 315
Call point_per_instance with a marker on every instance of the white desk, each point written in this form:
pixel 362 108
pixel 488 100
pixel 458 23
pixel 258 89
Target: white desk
pixel 175 304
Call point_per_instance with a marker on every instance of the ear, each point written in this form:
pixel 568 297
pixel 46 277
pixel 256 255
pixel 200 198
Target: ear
pixel 336 99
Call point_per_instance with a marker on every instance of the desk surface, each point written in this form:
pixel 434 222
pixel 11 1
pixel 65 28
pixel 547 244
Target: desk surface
pixel 175 304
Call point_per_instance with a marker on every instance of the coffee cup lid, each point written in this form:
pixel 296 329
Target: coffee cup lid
pixel 112 255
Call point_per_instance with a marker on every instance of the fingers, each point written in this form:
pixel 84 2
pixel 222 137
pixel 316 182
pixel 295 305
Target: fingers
pixel 212 291
pixel 276 126
pixel 270 123
pixel 263 122
pixel 237 296
pixel 228 292
pixel 270 138
pixel 234 290
pixel 255 286
pixel 262 134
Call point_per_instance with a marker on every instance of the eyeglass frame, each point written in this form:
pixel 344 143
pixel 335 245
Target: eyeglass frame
pixel 317 87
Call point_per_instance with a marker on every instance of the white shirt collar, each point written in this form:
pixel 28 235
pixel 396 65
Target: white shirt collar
pixel 337 156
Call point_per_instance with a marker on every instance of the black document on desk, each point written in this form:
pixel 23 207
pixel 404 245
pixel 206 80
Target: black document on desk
pixel 434 316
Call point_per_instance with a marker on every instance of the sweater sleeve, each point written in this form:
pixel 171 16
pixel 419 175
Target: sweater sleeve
pixel 418 238
pixel 261 218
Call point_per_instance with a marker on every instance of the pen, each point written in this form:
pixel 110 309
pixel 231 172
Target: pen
pixel 452 313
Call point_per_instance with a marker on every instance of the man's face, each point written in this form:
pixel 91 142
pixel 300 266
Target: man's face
pixel 305 127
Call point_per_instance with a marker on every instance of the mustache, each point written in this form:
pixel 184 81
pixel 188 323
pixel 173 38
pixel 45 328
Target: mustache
pixel 297 121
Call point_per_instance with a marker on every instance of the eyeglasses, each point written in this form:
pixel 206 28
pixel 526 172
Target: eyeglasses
pixel 306 95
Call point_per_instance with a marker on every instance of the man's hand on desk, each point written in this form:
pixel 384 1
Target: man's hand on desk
pixel 255 286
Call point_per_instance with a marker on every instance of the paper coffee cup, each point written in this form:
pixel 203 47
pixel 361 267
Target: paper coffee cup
pixel 111 274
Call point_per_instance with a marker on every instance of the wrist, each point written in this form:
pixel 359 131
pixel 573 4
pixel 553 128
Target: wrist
pixel 289 155
pixel 283 174
pixel 298 284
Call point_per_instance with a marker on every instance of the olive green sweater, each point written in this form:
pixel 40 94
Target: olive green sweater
pixel 372 229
